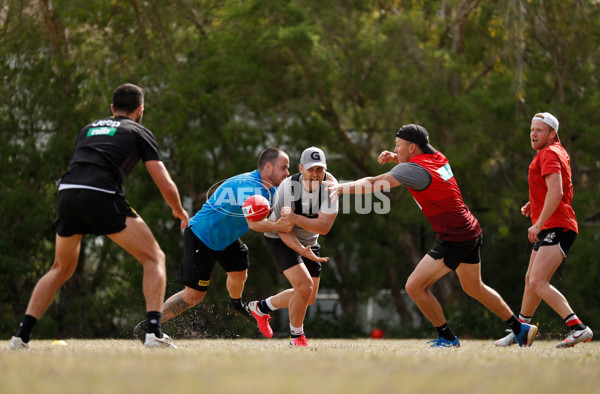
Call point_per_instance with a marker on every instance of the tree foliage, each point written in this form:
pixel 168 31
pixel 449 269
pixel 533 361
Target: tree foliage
pixel 225 79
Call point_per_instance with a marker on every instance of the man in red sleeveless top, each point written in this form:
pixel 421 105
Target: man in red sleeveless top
pixel 553 231
pixel 428 176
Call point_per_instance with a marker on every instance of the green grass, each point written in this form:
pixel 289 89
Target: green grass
pixel 270 366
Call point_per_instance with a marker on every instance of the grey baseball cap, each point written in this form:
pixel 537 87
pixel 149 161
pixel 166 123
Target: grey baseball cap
pixel 313 156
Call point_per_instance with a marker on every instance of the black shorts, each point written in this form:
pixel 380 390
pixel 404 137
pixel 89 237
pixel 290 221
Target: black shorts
pixel 199 260
pixel 563 237
pixel 83 211
pixel 286 258
pixel 455 253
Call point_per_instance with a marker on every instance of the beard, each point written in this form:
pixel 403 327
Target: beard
pixel 274 182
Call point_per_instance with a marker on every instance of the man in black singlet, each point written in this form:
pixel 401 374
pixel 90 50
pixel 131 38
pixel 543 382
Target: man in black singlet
pixel 91 201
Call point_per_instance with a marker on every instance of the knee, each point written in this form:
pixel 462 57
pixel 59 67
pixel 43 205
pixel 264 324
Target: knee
pixel 536 284
pixel 160 257
pixel 304 289
pixel 156 260
pixel 472 289
pixel 238 276
pixel 412 288
pixel 62 271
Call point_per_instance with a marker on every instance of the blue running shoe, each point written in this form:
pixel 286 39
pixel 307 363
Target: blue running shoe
pixel 442 342
pixel 525 337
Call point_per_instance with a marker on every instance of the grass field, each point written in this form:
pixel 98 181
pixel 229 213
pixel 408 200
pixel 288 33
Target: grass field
pixel 270 366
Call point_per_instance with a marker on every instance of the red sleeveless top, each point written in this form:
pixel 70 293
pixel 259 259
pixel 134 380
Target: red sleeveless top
pixel 442 202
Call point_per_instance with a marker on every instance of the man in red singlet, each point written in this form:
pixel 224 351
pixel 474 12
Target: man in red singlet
pixel 428 176
pixel 553 230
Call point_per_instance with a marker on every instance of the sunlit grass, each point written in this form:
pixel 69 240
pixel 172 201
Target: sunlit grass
pixel 270 366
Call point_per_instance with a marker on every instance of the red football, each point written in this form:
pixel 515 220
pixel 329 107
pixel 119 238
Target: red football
pixel 256 208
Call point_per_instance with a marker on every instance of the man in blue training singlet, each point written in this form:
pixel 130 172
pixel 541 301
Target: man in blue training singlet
pixel 214 235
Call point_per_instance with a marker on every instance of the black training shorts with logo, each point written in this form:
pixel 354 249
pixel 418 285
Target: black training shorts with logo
pixel 286 258
pixel 83 211
pixel 199 260
pixel 563 237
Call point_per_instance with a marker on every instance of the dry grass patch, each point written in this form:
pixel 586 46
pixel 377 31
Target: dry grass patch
pixel 270 366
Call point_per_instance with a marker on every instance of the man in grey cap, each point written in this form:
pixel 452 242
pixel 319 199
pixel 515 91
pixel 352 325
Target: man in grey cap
pixel 303 200
pixel 553 230
pixel 428 176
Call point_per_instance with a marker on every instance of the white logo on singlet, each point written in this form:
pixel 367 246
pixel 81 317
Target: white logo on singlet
pixel 107 123
pixel 445 172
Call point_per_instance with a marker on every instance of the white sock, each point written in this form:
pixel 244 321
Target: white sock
pixel 524 319
pixel 297 331
pixel 270 305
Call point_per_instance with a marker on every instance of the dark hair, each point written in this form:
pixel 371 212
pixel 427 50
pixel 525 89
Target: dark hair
pixel 127 98
pixel 269 155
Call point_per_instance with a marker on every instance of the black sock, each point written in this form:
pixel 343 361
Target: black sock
pixel 153 318
pixel 515 324
pixel 445 332
pixel 263 307
pixel 236 302
pixel 24 331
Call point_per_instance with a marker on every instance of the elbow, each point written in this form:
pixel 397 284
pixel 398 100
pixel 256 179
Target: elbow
pixel 558 195
pixel 167 186
pixel 325 230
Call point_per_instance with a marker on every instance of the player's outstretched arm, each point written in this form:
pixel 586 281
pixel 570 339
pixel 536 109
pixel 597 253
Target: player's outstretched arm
pixel 362 186
pixel 167 187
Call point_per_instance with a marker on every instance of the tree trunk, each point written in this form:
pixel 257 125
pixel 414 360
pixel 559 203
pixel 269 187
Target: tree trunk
pixel 56 30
